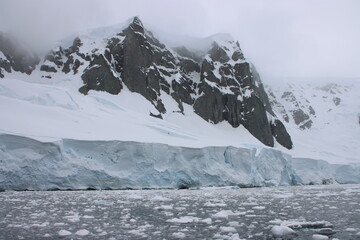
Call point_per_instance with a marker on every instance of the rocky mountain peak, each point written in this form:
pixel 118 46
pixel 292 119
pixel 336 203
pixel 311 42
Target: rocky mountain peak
pixel 220 86
pixel 137 26
pixel 218 53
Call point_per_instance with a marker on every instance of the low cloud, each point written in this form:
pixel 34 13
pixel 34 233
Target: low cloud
pixel 283 38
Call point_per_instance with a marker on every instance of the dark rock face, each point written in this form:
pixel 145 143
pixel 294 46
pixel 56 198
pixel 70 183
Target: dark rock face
pixel 156 116
pixel 301 113
pixel 233 92
pixel 65 60
pixel 300 116
pixel 229 88
pixel 141 61
pixel 46 68
pixel 336 101
pixel 260 90
pixel 99 76
pixel 219 84
pixel 218 54
pixel 147 67
pixel 17 57
pixel 56 57
pixel 279 132
pixel 255 120
pixel 186 54
pixel 302 119
pixel 4 66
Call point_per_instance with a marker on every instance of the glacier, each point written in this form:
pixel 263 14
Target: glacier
pixel 29 164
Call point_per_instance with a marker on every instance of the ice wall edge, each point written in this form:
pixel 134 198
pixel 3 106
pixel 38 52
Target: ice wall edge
pixel 28 164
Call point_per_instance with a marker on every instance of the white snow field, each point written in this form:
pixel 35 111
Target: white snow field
pixel 300 212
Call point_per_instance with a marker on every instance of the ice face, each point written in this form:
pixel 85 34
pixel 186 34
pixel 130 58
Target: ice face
pixel 75 164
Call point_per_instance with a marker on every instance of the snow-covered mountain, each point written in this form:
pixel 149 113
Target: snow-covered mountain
pixel 219 83
pixel 121 90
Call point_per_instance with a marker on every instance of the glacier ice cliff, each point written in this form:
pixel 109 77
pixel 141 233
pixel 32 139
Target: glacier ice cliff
pixel 28 164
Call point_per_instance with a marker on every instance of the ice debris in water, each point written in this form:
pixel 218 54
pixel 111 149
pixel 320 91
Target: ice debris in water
pixel 282 231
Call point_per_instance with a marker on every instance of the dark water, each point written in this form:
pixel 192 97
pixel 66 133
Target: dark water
pixel 175 214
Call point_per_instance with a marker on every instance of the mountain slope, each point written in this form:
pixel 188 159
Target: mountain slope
pixel 220 84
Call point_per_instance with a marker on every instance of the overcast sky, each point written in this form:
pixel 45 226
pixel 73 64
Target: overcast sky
pixel 284 38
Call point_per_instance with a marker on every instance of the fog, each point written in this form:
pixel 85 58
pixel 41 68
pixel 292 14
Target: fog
pixel 318 39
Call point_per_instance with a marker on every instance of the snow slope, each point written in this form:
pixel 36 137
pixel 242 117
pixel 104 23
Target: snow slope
pixel 57 110
pixel 333 107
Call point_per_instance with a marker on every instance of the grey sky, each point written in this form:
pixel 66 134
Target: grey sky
pixel 307 38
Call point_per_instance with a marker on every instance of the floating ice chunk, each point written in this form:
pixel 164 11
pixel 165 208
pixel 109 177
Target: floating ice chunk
pixel 44 224
pixel 235 237
pixel 234 224
pixel 251 199
pixel 102 202
pixel 135 197
pixel 73 218
pixel 319 237
pixel 282 231
pixel 137 232
pixel 82 232
pixel 302 223
pixel 184 219
pixel 326 231
pixel 224 214
pixel 164 207
pixel 284 195
pixel 207 220
pixel 179 235
pixel 227 229
pixel 259 207
pixel 64 233
pixel 215 204
pixel 160 199
pixel 59 224
pixel 103 233
pixel 350 229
